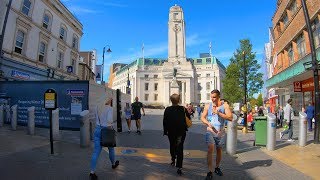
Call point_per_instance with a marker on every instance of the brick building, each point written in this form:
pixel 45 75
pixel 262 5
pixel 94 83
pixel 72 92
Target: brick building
pixel 291 48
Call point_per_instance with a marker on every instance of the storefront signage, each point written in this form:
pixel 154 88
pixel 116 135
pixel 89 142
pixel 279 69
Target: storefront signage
pixel 19 75
pixel 297 86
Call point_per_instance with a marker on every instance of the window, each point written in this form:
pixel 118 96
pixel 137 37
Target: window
pixel 60 60
pixel 42 52
pixel 199 97
pixel 26 7
pixel 155 97
pixel 146 97
pixel 199 86
pixel 208 96
pixel 19 42
pixel 146 76
pixel 146 86
pixel 208 60
pixel 175 16
pixel 293 7
pixel 75 42
pixel 46 21
pixel 207 75
pixel 301 45
pixel 278 29
pixel 208 85
pixel 316 32
pixel 199 60
pixel 285 20
pixel 156 86
pixel 290 55
pixel 155 76
pixel 62 33
pixel 198 75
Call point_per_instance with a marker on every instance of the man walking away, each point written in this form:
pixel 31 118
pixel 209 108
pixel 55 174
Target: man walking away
pixel 136 113
pixel 288 115
pixel 310 115
pixel 214 115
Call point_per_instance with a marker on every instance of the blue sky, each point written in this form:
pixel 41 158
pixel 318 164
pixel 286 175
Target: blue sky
pixel 125 25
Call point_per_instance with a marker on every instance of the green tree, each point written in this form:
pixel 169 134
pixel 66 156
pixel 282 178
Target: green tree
pixel 233 84
pixel 260 100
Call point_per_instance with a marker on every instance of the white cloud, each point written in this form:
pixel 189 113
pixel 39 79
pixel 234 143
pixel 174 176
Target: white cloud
pixel 224 54
pixel 113 4
pixel 81 10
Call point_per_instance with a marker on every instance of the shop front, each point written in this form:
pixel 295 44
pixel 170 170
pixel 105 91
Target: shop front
pixel 306 88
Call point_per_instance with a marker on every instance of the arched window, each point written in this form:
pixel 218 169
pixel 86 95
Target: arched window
pixel 63 32
pixel 47 20
pixel 26 6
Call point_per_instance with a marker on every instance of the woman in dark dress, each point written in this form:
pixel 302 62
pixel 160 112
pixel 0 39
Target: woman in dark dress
pixel 174 126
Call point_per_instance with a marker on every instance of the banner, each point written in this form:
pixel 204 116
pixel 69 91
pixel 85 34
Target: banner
pixel 98 72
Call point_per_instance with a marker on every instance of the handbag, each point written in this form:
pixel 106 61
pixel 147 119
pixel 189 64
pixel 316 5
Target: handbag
pixel 107 136
pixel 187 119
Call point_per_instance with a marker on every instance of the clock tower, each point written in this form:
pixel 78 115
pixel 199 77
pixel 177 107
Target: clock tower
pixel 176 35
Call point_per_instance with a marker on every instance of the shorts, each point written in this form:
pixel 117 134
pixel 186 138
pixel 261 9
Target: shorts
pixel 128 116
pixel 136 117
pixel 218 141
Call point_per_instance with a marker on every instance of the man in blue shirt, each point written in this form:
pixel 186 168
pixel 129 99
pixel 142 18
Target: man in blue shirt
pixel 310 115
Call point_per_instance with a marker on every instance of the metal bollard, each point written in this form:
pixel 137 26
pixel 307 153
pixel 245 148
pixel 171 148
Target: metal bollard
pixel 55 124
pixel 84 129
pixel 14 117
pixel 31 120
pixel 271 131
pixel 232 136
pixel 1 116
pixel 302 129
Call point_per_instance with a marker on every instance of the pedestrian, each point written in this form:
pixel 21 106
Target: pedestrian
pixel 128 113
pixel 310 115
pixel 288 117
pixel 136 113
pixel 281 114
pixel 190 110
pixel 199 111
pixel 214 115
pixel 174 126
pixel 104 119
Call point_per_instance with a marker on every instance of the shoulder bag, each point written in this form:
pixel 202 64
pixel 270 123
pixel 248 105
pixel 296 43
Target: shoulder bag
pixel 188 120
pixel 107 136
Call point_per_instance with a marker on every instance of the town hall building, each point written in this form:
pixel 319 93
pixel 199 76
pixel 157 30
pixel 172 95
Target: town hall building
pixel 153 80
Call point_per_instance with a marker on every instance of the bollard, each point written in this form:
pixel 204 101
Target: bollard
pixel 55 124
pixel 232 136
pixel 271 131
pixel 84 129
pixel 31 120
pixel 302 129
pixel 1 116
pixel 14 117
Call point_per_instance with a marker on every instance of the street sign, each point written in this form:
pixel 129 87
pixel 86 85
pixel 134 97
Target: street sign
pixel 50 99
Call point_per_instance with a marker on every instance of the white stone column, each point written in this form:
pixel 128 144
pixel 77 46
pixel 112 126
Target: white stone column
pixel 183 93
pixel 55 124
pixel 188 95
pixel 31 120
pixel 1 116
pixel 14 117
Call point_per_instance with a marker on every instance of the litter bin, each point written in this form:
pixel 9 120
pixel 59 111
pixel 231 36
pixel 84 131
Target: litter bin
pixel 260 131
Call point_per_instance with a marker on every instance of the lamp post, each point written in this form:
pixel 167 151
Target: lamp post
pixel 108 51
pixel 128 84
pixel 245 128
pixel 315 68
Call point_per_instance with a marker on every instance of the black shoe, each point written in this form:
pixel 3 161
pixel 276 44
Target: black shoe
pixel 173 163
pixel 93 176
pixel 116 164
pixel 218 171
pixel 179 171
pixel 139 132
pixel 209 176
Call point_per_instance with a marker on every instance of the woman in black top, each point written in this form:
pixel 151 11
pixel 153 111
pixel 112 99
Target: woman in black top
pixel 174 126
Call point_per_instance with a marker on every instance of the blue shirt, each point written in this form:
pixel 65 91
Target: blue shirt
pixel 215 120
pixel 310 112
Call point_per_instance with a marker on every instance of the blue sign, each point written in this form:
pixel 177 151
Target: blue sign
pixel 20 75
pixel 30 93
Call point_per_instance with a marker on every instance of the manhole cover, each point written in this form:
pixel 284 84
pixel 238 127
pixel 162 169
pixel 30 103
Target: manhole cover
pixel 128 151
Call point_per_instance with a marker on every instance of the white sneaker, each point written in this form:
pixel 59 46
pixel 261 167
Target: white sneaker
pixel 290 140
pixel 281 135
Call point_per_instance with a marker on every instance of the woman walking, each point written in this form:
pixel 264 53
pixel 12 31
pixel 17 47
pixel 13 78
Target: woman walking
pixel 128 113
pixel 174 126
pixel 104 119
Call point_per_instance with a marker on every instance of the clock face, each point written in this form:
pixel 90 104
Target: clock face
pixel 177 28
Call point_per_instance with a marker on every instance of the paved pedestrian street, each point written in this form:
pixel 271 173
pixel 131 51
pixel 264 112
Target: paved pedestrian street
pixel 147 156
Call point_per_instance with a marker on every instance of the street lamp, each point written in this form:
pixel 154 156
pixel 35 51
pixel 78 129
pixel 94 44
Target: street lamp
pixel 128 84
pixel 314 66
pixel 108 51
pixel 245 128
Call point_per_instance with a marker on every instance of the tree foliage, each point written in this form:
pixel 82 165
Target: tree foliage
pixel 233 84
pixel 260 100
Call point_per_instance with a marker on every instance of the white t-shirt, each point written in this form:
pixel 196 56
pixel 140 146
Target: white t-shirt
pixel 106 116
